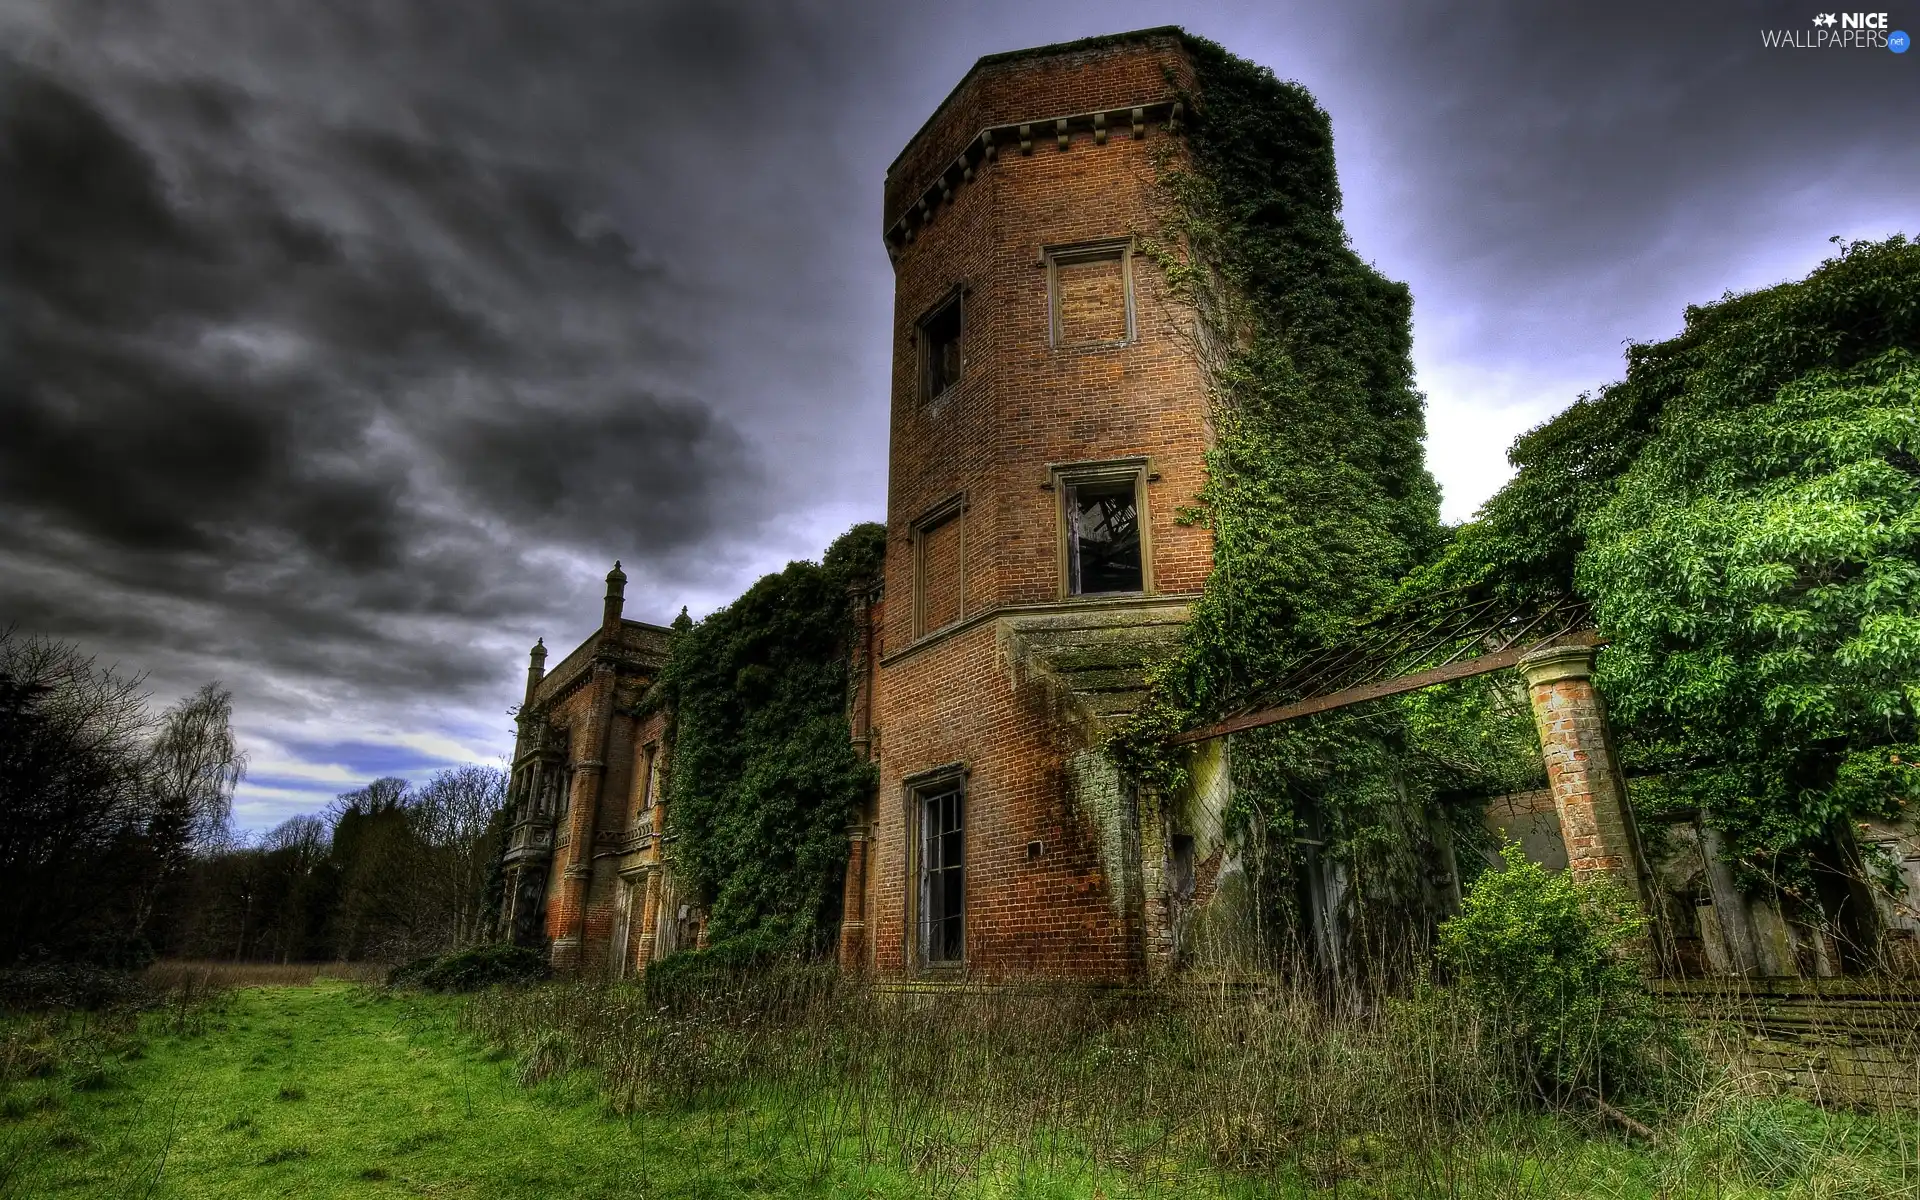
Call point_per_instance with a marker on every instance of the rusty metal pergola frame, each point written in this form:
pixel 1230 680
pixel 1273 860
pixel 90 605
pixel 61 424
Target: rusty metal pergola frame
pixel 1453 635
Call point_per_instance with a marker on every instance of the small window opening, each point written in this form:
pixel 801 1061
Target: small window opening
pixel 1103 538
pixel 943 856
pixel 650 780
pixel 1180 870
pixel 940 356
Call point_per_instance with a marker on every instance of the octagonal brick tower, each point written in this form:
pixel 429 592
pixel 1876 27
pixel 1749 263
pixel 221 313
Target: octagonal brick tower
pixel 1049 421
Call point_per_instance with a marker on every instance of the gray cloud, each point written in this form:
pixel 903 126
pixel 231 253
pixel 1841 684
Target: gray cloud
pixel 341 346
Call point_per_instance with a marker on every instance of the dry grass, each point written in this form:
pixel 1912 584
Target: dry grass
pixel 1198 1091
pixel 174 975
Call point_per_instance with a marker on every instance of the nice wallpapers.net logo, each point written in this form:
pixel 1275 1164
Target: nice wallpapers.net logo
pixel 1840 31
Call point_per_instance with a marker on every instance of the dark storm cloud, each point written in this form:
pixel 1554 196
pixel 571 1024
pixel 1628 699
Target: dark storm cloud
pixel 342 345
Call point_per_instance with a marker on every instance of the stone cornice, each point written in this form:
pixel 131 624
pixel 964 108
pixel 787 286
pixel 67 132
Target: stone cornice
pixel 1059 133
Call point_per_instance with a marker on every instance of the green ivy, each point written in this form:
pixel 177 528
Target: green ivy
pixel 1743 512
pixel 765 778
pixel 1317 498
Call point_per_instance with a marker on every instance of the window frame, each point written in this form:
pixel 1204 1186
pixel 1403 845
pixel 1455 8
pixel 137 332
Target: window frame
pixel 953 508
pixel 1082 252
pixel 649 776
pixel 916 791
pixel 955 299
pixel 1064 478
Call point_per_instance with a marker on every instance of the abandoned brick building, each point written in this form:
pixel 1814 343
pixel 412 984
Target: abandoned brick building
pixel 1050 420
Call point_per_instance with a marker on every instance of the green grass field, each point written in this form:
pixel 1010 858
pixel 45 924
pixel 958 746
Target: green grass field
pixel 337 1090
pixel 332 1090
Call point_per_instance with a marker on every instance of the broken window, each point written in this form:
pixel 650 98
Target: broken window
pixel 650 776
pixel 943 859
pixel 940 358
pixel 1103 537
pixel 1180 867
pixel 1090 289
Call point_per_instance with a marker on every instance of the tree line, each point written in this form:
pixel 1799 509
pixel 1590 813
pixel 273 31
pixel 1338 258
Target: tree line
pixel 116 838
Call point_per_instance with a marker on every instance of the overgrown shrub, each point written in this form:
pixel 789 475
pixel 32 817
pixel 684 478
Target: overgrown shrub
pixel 1550 963
pixel 765 776
pixel 72 986
pixel 472 969
pixel 719 976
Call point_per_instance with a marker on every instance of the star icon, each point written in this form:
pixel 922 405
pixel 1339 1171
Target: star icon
pixel 1827 19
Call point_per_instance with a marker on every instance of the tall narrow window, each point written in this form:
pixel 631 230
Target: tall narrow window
pixel 940 357
pixel 943 866
pixel 650 776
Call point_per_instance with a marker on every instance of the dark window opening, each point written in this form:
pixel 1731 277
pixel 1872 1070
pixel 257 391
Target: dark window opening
pixel 1181 868
pixel 1103 538
pixel 940 349
pixel 943 855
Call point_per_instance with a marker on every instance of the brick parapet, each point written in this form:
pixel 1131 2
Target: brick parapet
pixel 1112 74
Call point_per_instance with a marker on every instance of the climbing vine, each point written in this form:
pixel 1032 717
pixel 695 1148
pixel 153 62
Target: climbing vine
pixel 765 777
pixel 1743 512
pixel 1317 496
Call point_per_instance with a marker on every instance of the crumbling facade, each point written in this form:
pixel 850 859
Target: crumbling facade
pixel 585 870
pixel 1049 422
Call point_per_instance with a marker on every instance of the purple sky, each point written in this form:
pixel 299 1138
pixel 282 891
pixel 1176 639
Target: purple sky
pixel 343 346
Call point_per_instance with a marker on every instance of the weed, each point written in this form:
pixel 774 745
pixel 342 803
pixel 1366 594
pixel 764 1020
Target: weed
pixel 291 1092
pixel 286 1154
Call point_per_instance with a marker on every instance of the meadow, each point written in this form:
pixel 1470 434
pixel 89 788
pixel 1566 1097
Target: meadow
pixel 798 1084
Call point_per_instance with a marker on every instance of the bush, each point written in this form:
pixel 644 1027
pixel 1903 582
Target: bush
pixel 409 974
pixel 80 986
pixel 762 963
pixel 472 969
pixel 1549 961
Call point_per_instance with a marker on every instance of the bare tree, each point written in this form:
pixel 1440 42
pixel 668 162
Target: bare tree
pixel 196 765
pixel 454 818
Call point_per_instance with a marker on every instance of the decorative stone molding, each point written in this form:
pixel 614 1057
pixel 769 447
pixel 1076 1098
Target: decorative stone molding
pixel 983 150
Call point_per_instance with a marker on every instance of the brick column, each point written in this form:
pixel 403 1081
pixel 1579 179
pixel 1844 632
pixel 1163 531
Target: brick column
pixel 583 809
pixel 853 918
pixel 649 920
pixel 1582 770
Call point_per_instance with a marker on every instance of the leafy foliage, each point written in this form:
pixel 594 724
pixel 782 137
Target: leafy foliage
pixel 764 775
pixel 1742 512
pixel 473 969
pixel 1548 961
pixel 1317 496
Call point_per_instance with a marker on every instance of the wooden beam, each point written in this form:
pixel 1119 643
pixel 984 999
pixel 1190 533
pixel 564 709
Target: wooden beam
pixel 1484 665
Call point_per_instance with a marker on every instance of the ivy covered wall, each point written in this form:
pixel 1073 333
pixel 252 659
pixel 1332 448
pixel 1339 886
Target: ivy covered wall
pixel 1319 503
pixel 765 777
pixel 1743 512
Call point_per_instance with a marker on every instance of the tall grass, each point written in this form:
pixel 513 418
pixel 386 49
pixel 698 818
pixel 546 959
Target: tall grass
pixel 174 975
pixel 1200 1090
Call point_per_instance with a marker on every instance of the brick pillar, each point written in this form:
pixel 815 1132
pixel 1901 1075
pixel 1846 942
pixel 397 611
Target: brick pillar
pixel 853 919
pixel 583 809
pixel 1582 771
pixel 649 920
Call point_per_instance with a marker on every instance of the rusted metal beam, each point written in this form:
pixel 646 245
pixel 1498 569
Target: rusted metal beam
pixel 1484 665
